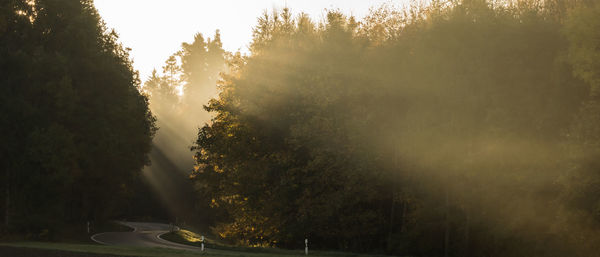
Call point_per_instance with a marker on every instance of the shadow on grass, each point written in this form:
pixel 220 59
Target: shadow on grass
pixel 187 237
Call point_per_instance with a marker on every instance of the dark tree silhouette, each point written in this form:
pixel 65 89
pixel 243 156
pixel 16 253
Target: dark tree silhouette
pixel 75 129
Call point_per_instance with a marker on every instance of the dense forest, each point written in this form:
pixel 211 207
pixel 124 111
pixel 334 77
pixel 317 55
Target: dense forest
pixel 74 128
pixel 454 128
pixel 448 128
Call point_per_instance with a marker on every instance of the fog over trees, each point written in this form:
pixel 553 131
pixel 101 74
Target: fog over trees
pixel 449 128
pixel 177 93
pixel 461 128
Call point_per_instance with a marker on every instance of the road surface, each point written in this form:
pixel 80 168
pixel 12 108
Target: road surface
pixel 144 234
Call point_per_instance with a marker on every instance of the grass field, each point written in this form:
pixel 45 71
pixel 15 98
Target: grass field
pixel 110 251
pixel 101 249
pixel 83 247
pixel 190 238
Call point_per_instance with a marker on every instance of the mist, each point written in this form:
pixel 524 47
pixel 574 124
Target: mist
pixel 466 128
pixel 177 94
pixel 441 128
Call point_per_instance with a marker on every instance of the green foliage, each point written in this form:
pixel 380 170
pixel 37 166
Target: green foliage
pixel 437 130
pixel 75 128
pixel 188 80
pixel 581 28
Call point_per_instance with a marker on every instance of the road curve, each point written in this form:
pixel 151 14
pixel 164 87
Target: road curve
pixel 144 234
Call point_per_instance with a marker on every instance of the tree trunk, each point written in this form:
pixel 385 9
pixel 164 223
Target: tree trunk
pixel 391 230
pixel 7 201
pixel 393 203
pixel 467 228
pixel 447 225
pixel 403 217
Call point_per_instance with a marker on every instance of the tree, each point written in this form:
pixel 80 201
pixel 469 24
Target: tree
pixel 77 128
pixel 431 132
pixel 202 61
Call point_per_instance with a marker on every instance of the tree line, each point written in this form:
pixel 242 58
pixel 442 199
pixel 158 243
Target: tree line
pixel 74 128
pixel 176 95
pixel 455 128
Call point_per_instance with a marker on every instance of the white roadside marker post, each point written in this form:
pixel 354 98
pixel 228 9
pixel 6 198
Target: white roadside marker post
pixel 202 244
pixel 88 227
pixel 306 246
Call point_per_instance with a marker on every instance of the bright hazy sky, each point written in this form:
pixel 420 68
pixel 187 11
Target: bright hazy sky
pixel 155 29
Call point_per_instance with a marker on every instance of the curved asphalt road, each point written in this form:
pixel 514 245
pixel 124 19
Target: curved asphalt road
pixel 144 234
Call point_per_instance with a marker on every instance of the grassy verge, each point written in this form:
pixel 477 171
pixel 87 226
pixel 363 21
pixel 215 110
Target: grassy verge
pixel 187 237
pixel 164 252
pixel 67 233
pixel 112 250
pixel 214 248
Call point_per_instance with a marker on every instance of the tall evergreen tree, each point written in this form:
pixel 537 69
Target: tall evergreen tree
pixel 77 128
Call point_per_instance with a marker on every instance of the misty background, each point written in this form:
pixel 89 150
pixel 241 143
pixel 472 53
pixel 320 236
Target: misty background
pixel 443 128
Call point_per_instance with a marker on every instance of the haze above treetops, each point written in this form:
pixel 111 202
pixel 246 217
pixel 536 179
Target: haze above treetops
pixel 155 29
